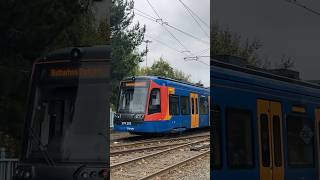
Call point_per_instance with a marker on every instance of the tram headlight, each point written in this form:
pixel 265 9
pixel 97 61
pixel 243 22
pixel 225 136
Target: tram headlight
pixel 117 116
pixel 85 175
pixel 76 53
pixel 26 174
pixel 139 116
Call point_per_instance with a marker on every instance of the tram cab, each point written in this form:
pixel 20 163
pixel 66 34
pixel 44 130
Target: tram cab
pixel 66 132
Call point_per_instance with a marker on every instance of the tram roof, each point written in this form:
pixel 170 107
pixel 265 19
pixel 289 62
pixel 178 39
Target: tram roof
pixel 100 52
pixel 166 79
pixel 259 78
pixel 263 73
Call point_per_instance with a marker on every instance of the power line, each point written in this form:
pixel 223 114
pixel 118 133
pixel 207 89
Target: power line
pixel 205 42
pixel 174 49
pixel 145 17
pixel 303 6
pixel 154 10
pixel 145 14
pixel 202 51
pixel 162 24
pixel 189 11
pixel 196 15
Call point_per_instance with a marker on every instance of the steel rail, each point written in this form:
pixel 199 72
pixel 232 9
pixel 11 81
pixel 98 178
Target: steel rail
pixel 165 170
pixel 157 140
pixel 155 154
pixel 145 148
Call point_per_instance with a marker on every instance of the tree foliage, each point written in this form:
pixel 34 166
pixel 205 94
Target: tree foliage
pixel 225 42
pixel 164 69
pixel 125 38
pixel 29 29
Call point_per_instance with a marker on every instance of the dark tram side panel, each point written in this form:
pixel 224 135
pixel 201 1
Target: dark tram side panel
pixel 264 126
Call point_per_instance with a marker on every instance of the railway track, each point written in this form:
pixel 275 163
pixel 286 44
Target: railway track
pixel 176 165
pixel 114 148
pixel 156 154
pixel 156 163
pixel 148 148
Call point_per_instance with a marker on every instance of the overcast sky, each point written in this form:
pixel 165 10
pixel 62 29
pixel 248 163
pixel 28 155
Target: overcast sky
pixel 282 27
pixel 173 12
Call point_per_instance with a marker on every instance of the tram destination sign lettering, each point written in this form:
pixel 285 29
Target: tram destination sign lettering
pixel 71 73
pixel 136 84
pixel 81 72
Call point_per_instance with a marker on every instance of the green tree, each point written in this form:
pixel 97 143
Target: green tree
pixel 125 38
pixel 286 62
pixel 32 28
pixel 164 69
pixel 225 42
pixel 26 28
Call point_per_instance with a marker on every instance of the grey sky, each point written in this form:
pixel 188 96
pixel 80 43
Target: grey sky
pixel 282 27
pixel 173 12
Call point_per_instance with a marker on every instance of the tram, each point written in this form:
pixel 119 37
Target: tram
pixel 265 125
pixel 66 127
pixel 150 104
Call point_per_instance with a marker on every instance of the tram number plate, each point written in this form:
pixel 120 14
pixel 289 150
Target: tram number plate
pixel 126 123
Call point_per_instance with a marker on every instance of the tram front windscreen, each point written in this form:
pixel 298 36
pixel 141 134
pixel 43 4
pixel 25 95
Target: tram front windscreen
pixel 69 112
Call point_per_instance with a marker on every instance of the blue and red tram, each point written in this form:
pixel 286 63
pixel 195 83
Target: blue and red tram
pixel 149 104
pixel 265 126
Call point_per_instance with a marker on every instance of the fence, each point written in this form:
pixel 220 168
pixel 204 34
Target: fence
pixel 7 166
pixel 111 117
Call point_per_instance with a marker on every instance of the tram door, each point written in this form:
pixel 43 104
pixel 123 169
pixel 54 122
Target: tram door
pixel 317 126
pixel 270 140
pixel 194 110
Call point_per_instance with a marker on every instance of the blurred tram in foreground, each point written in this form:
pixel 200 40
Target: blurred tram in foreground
pixel 265 125
pixel 149 104
pixel 66 128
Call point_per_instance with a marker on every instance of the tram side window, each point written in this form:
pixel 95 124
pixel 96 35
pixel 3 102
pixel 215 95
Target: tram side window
pixel 173 105
pixel 277 141
pixel 196 105
pixel 204 106
pixel 184 105
pixel 264 138
pixel 239 138
pixel 154 102
pixel 192 105
pixel 300 135
pixel 216 139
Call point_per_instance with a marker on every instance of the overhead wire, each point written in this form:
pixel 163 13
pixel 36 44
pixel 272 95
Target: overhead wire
pixel 160 21
pixel 303 6
pixel 173 27
pixel 202 51
pixel 204 22
pixel 145 13
pixel 161 42
pixel 191 14
pixel 162 24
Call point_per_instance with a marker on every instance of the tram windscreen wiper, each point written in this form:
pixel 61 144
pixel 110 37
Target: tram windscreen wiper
pixel 41 147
